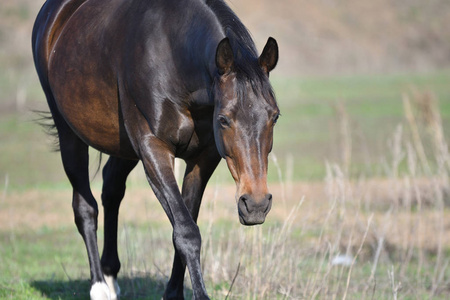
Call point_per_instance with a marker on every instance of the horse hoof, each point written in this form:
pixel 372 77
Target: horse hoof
pixel 113 287
pixel 100 291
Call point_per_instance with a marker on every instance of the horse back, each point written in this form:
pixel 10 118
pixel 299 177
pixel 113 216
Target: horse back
pixel 51 19
pixel 95 56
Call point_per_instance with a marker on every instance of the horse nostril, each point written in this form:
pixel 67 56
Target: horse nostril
pixel 244 200
pixel 269 203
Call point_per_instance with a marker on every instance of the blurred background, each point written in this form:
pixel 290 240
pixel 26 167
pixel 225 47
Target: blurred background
pixel 364 91
pixel 346 58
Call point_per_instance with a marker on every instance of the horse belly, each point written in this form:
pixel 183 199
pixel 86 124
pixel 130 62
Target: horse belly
pixel 90 112
pixel 87 98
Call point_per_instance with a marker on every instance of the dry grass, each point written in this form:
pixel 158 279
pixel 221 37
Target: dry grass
pixel 343 238
pixel 395 244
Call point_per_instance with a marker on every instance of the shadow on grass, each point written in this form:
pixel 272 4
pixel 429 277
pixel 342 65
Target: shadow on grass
pixel 131 288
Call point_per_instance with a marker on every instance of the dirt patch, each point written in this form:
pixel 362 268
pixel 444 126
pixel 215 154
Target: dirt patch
pixel 404 213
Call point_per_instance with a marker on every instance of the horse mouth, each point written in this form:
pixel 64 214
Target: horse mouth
pixel 253 219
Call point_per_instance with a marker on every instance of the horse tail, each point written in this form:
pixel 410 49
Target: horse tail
pixel 45 120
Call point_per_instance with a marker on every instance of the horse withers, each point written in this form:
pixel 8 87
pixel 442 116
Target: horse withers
pixel 151 81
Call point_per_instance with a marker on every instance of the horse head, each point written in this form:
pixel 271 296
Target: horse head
pixel 244 117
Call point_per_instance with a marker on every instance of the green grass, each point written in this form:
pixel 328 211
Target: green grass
pixel 308 129
pixel 31 259
pixel 27 158
pixel 52 264
pixel 309 126
pixel 299 89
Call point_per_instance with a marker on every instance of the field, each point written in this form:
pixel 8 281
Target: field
pixel 346 223
pixel 359 171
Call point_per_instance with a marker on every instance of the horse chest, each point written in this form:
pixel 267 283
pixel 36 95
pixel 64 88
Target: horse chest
pixel 193 134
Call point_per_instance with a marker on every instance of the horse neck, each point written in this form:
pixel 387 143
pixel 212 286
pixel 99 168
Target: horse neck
pixel 198 66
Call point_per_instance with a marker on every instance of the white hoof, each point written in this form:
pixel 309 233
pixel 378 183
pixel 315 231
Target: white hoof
pixel 113 287
pixel 100 291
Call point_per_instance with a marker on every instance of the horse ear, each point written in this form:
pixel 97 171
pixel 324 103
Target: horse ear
pixel 224 56
pixel 269 57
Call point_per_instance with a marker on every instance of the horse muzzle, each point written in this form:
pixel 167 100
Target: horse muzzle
pixel 253 211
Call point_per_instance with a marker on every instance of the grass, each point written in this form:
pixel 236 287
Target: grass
pixel 364 178
pixel 309 127
pixel 27 153
pixel 65 275
pixel 307 131
pixel 290 257
pixel 390 232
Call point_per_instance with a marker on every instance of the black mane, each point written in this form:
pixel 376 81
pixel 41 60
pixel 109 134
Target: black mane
pixel 246 63
pixel 233 27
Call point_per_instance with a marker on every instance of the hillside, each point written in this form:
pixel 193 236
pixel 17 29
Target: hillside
pixel 353 36
pixel 325 37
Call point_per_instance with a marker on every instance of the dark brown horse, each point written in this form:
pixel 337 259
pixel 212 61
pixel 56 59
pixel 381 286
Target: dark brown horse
pixel 154 80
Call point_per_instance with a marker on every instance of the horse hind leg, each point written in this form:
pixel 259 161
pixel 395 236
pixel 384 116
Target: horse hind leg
pixel 115 174
pixel 75 158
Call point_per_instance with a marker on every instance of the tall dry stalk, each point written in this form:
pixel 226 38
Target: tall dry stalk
pixel 369 222
pixel 428 105
pixel 394 286
pixel 280 178
pixel 289 177
pixel 5 188
pixel 345 138
pixel 417 140
pixel 428 108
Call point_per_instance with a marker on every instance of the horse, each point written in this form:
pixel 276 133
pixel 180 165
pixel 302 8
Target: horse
pixel 150 81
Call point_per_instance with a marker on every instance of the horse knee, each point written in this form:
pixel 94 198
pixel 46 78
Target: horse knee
pixel 187 240
pixel 112 195
pixel 86 213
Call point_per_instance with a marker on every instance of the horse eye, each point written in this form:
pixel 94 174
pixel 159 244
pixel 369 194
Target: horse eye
pixel 275 119
pixel 224 121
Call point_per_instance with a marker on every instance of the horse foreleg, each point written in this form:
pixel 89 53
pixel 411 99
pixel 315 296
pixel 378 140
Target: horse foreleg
pixel 158 164
pixel 115 174
pixel 198 172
